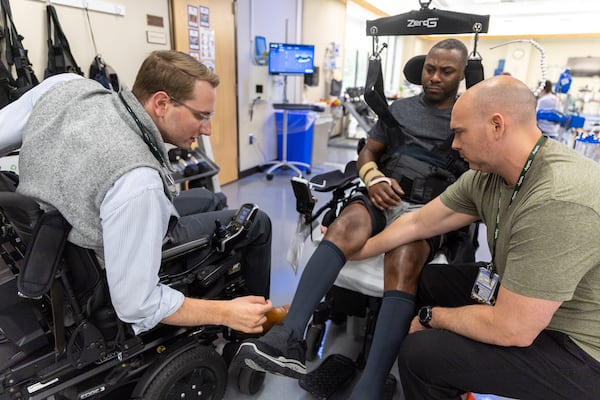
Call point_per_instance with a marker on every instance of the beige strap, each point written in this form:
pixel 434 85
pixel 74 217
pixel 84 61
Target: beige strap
pixel 368 166
pixel 372 174
pixel 380 179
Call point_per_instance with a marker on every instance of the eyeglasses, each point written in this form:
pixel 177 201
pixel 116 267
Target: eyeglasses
pixel 199 115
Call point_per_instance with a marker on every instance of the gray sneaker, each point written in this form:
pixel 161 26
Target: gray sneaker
pixel 277 352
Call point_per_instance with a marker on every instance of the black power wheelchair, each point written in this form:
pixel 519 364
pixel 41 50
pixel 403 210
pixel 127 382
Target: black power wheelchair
pixel 60 337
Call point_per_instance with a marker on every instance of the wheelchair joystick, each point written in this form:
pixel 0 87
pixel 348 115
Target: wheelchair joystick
pixel 220 232
pixel 226 237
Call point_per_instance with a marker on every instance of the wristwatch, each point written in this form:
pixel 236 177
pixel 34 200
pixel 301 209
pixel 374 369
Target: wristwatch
pixel 425 315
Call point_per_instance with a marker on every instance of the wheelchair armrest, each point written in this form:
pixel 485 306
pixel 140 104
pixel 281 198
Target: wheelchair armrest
pixel 224 238
pixel 332 180
pixel 184 248
pixel 17 200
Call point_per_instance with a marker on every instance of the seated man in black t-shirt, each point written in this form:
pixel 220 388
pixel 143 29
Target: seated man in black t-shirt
pixel 402 169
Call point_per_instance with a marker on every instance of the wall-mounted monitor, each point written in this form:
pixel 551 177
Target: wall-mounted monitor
pixel 286 58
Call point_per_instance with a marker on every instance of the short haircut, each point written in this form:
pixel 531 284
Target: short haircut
pixel 453 44
pixel 548 86
pixel 173 72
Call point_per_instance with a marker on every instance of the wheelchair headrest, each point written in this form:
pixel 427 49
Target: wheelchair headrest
pixel 413 68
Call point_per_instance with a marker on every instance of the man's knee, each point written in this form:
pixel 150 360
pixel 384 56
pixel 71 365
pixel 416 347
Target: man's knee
pixel 421 352
pixel 261 226
pixel 416 346
pixel 435 363
pixel 351 227
pixel 403 265
pixel 414 363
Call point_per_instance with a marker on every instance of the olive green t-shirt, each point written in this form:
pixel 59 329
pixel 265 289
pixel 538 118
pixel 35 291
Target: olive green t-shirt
pixel 548 244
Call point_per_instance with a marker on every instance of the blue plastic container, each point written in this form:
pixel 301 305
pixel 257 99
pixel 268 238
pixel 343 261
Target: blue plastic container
pixel 589 146
pixel 300 125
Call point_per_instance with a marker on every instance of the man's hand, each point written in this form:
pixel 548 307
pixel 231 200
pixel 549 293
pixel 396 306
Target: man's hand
pixel 247 313
pixel 415 326
pixel 385 196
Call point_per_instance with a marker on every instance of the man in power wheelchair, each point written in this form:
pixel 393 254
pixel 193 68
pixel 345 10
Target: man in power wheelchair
pixel 94 161
pixel 416 163
pixel 61 336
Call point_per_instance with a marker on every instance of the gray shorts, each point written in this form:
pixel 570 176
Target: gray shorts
pixel 381 219
pixel 402 208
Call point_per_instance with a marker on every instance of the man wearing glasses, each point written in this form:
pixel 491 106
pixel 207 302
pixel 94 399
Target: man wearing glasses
pixel 99 157
pixel 200 115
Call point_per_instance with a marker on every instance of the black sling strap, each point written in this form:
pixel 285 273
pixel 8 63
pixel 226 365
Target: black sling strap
pixel 6 80
pixel 374 94
pixel 60 58
pixel 16 56
pixel 7 85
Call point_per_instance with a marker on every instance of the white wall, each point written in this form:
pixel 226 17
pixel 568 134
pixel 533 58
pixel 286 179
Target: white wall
pixel 324 23
pixel 121 40
pixel 277 22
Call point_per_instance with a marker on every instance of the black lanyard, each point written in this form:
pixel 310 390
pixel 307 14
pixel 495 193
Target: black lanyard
pixel 518 185
pixel 147 138
pixel 146 135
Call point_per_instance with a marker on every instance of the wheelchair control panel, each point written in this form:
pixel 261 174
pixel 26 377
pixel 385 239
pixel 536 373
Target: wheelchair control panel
pixel 226 237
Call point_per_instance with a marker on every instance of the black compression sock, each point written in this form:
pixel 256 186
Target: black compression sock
pixel 396 312
pixel 319 274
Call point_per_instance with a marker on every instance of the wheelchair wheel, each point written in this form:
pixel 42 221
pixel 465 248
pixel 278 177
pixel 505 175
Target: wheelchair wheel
pixel 250 381
pixel 199 373
pixel 314 338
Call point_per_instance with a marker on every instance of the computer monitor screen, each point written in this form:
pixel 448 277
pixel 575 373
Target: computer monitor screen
pixel 286 58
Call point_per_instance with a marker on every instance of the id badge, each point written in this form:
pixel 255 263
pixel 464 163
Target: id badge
pixel 485 286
